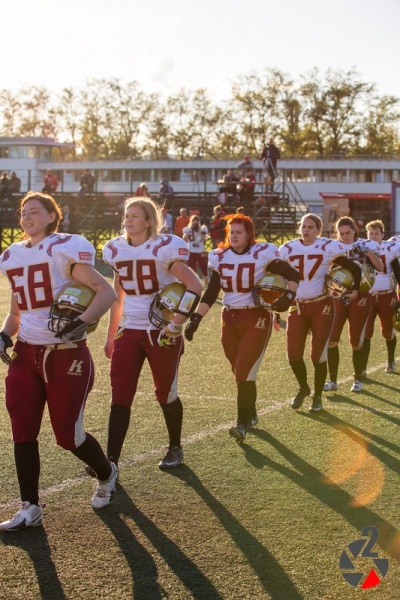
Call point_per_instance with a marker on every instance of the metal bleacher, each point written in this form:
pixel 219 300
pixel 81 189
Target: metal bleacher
pixel 275 213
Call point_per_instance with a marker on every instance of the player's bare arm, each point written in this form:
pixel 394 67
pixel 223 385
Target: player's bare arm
pixel 188 278
pixel 105 294
pixel 12 321
pixel 115 316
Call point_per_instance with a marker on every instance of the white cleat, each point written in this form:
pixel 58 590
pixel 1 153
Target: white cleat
pixel 357 386
pixel 330 386
pixel 29 515
pixel 105 489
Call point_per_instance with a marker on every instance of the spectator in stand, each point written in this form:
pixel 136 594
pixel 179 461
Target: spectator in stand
pixel 166 226
pixel 142 190
pixel 217 226
pixel 246 186
pixel 14 186
pixel 181 222
pixel 229 182
pixel 4 184
pixel 270 156
pixel 86 183
pixel 195 235
pixel 166 191
pixel 50 182
pixel 245 164
pixel 70 220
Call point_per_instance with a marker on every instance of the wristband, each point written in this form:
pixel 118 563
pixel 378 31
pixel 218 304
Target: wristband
pixel 174 328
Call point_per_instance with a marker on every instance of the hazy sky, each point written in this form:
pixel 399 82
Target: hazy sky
pixel 168 44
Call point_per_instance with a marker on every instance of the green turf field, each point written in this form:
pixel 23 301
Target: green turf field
pixel 268 519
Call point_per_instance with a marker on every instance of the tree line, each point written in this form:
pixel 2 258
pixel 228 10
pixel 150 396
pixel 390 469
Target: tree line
pixel 335 113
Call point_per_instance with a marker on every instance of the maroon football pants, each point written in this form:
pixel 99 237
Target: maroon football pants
pixel 61 375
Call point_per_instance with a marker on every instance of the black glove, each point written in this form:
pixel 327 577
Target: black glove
pixel 5 342
pixel 345 300
pixel 283 303
pixel 74 330
pixel 192 326
pixel 358 252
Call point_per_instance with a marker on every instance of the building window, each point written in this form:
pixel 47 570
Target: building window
pixel 300 175
pixel 110 175
pixel 140 175
pixel 31 152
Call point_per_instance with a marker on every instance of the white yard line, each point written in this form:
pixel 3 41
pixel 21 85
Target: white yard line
pixel 196 437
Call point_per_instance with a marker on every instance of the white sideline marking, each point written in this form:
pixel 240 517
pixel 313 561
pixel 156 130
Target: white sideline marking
pixel 192 439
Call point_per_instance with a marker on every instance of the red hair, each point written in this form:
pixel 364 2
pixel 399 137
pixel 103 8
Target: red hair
pixel 238 219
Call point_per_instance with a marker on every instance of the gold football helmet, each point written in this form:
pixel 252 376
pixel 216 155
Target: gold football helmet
pixel 338 282
pixel 69 304
pixel 367 276
pixel 168 302
pixel 268 289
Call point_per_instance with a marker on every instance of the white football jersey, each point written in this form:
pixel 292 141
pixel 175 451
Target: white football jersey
pixel 312 263
pixel 143 271
pixel 370 244
pixel 388 251
pixel 395 238
pixel 195 239
pixel 239 273
pixel 37 275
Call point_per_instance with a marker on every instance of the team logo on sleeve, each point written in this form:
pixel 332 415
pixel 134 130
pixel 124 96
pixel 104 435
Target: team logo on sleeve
pixel 183 251
pixel 6 255
pixel 326 243
pixel 60 240
pixel 259 249
pixel 288 247
pixel 165 240
pixel 114 250
pixel 219 253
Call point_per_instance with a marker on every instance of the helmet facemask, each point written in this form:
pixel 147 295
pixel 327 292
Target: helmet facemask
pixel 166 304
pixel 269 289
pixel 339 282
pixel 69 304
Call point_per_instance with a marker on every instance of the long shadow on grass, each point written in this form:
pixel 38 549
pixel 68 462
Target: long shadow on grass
pixel 347 400
pixel 354 432
pixel 335 422
pixel 35 543
pixel 394 389
pixel 314 482
pixel 271 575
pixel 140 561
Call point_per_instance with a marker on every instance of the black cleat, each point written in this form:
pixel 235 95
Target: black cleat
pixel 238 433
pixel 300 397
pixel 316 405
pixel 252 422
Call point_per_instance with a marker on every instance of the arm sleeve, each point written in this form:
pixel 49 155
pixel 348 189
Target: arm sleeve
pixel 281 267
pixel 214 287
pixel 396 269
pixel 345 262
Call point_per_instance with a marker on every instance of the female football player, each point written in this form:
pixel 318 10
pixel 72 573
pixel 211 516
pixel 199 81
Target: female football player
pixel 195 235
pixel 45 366
pixel 237 265
pixel 144 262
pixel 356 311
pixel 312 255
pixel 383 294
